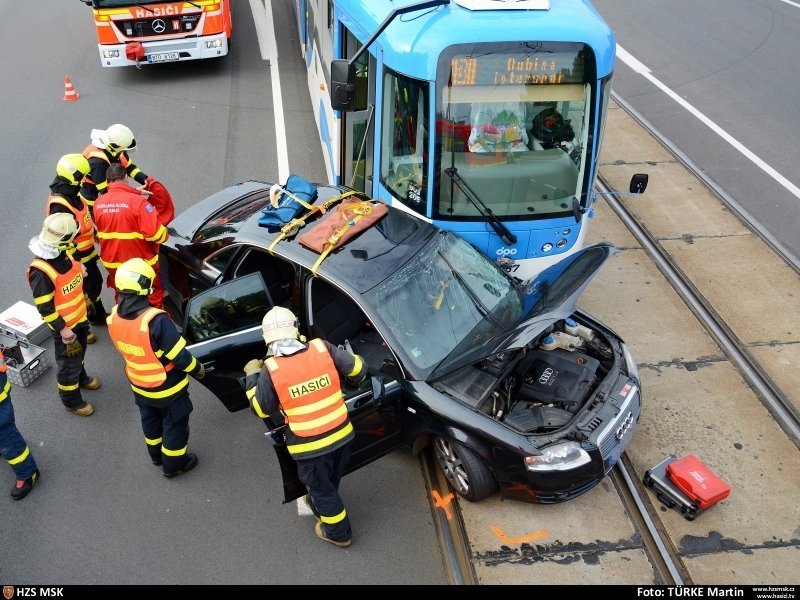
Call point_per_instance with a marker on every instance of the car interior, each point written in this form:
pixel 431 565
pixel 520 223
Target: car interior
pixel 278 274
pixel 337 319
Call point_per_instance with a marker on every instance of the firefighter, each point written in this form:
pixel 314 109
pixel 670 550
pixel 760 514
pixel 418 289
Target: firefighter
pixel 57 285
pixel 158 367
pixel 128 227
pixel 299 384
pixel 64 198
pixel 109 146
pixel 12 445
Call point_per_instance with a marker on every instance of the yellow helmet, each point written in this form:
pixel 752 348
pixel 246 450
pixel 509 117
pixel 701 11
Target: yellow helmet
pixel 58 230
pixel 72 167
pixel 118 138
pixel 279 324
pixel 135 276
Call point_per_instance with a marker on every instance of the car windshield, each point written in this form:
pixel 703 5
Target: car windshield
pixel 448 298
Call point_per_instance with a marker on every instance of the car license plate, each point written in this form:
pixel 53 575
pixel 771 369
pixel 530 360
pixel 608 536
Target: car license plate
pixel 163 57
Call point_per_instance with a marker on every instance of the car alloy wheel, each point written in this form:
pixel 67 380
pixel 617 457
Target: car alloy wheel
pixel 465 472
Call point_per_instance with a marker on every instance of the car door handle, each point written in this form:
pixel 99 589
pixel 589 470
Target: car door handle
pixel 209 366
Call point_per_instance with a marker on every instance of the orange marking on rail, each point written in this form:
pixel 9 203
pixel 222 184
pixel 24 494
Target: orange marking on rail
pixel 520 540
pixel 443 502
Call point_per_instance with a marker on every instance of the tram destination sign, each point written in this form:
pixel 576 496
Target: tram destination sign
pixel 507 69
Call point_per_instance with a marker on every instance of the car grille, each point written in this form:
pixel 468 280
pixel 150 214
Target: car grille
pixel 619 431
pixel 167 25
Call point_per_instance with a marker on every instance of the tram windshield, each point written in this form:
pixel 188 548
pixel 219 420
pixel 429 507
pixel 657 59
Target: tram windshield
pixel 512 122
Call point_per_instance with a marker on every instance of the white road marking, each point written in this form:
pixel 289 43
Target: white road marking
pixel 265 30
pixel 645 72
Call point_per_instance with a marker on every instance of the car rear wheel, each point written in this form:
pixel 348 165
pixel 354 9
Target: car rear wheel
pixel 465 472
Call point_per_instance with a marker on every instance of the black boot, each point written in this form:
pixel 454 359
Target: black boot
pixel 97 313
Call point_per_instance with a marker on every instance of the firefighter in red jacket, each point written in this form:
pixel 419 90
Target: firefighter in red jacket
pixel 109 146
pixel 128 227
pixel 12 445
pixel 57 285
pixel 64 198
pixel 299 384
pixel 158 366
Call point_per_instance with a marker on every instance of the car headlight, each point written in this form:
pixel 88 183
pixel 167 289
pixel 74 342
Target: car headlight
pixel 558 457
pixel 633 370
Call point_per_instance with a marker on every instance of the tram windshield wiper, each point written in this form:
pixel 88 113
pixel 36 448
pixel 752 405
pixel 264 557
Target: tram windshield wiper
pixel 486 212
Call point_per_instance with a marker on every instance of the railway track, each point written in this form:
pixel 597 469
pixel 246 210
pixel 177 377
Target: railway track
pixel 674 557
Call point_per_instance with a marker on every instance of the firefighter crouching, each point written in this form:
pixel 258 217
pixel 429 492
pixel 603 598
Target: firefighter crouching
pixel 64 198
pixel 158 366
pixel 57 285
pixel 299 383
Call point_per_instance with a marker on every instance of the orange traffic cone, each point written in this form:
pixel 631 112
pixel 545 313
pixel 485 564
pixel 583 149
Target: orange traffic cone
pixel 69 91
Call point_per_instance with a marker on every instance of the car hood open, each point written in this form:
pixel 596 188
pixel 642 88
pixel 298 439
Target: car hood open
pixel 551 296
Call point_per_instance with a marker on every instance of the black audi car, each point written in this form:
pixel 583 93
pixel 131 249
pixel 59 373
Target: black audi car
pixel 512 386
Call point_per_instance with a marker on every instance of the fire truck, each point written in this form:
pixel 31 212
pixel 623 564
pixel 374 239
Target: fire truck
pixel 136 33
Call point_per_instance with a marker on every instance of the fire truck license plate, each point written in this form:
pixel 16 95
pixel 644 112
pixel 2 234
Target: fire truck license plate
pixel 162 57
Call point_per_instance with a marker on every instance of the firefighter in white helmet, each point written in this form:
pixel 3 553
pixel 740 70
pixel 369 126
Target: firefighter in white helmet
pixel 57 285
pixel 299 384
pixel 109 146
pixel 158 366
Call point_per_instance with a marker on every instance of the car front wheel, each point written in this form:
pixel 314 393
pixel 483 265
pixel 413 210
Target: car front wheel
pixel 465 472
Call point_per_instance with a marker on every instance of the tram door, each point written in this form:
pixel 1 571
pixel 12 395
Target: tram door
pixel 358 125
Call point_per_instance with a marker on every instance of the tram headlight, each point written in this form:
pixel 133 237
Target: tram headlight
pixel 558 457
pixel 547 247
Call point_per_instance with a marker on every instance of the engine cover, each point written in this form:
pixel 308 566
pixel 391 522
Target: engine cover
pixel 558 377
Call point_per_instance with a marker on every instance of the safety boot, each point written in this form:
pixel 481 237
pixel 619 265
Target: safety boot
pixel 97 313
pixel 23 487
pixel 92 384
pixel 320 531
pixel 191 463
pixel 91 338
pixel 84 410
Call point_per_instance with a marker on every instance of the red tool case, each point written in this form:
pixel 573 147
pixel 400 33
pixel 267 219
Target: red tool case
pixel 686 484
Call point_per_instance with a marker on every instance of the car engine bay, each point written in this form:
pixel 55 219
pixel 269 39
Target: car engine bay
pixel 539 389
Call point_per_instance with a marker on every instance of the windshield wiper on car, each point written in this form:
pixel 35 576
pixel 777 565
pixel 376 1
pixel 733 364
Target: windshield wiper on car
pixel 486 212
pixel 485 312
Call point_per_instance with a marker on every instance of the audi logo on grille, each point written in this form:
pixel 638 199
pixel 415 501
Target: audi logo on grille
pixel 624 426
pixel 546 375
pixel 159 26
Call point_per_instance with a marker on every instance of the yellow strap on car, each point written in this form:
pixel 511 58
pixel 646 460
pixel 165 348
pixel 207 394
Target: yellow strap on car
pixel 293 226
pixel 356 212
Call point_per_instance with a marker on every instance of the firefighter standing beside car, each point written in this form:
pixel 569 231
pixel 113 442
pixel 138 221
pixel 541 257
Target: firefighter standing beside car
pixel 158 366
pixel 57 285
pixel 301 382
pixel 64 198
pixel 128 227
pixel 109 146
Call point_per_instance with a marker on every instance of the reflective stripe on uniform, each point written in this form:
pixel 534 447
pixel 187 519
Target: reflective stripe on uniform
pixel 180 452
pixel 6 389
pixel 20 458
pixel 164 393
pixel 152 442
pixel 334 519
pixel 321 443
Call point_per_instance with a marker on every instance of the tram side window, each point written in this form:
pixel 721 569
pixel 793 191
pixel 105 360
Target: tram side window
pixel 405 139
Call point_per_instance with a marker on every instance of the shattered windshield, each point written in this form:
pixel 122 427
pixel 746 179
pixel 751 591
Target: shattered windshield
pixel 450 296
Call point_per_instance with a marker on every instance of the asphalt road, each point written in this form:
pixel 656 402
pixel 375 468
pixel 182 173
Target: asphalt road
pixel 102 514
pixel 734 61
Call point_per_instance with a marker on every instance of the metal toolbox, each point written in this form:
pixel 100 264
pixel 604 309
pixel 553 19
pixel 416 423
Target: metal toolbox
pixel 25 361
pixel 23 322
pixel 670 495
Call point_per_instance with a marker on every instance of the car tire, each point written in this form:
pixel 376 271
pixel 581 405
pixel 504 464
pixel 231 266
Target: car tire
pixel 465 472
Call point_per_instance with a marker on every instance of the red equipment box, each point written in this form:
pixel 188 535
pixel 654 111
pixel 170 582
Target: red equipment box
pixel 697 481
pixel 686 484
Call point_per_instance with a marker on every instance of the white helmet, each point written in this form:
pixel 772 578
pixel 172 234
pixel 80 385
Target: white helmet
pixel 118 138
pixel 279 324
pixel 58 231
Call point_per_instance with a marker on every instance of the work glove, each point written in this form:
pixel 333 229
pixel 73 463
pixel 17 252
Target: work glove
pixel 70 340
pixel 253 366
pixel 201 373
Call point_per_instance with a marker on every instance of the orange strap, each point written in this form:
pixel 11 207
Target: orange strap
pixel 353 213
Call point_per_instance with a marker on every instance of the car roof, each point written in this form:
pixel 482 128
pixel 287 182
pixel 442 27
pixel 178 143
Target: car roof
pixel 363 261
